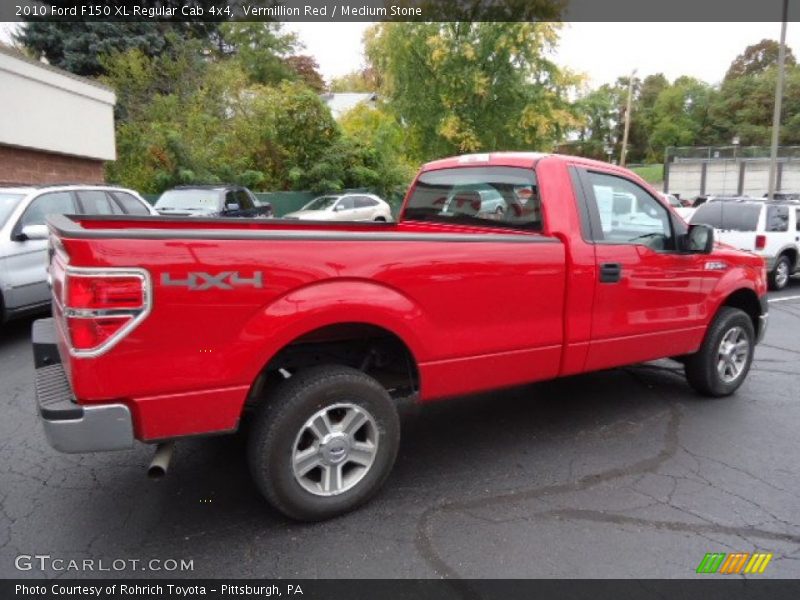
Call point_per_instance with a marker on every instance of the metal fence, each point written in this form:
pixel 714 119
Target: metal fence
pixel 679 153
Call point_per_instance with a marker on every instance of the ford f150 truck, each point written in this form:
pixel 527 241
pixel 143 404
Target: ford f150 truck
pixel 170 327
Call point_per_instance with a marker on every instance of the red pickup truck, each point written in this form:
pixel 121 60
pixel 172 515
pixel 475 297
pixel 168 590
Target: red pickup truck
pixel 502 269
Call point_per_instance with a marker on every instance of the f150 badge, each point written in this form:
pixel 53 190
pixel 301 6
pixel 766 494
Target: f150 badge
pixel 227 280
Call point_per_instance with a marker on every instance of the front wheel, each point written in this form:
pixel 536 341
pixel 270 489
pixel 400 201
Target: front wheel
pixel 721 364
pixel 324 442
pixel 779 277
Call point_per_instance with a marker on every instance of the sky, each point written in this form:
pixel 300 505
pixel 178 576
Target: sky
pixel 602 51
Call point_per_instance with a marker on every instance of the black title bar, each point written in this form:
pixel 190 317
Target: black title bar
pixel 401 10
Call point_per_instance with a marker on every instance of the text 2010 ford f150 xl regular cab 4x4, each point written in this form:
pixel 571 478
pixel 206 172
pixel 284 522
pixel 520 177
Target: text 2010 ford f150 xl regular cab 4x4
pixel 172 327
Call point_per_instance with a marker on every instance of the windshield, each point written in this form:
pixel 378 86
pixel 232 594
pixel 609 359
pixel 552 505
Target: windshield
pixel 728 215
pixel 321 203
pixel 497 196
pixel 189 199
pixel 7 203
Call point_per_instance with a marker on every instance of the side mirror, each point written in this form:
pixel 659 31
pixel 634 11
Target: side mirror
pixel 232 206
pixel 32 232
pixel 338 208
pixel 698 240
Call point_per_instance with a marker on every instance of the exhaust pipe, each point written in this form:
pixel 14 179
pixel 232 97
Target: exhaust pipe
pixel 160 463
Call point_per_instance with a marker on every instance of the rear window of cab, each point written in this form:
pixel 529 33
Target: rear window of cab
pixel 488 196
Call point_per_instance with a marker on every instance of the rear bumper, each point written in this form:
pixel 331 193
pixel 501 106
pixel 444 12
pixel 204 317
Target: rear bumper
pixel 69 426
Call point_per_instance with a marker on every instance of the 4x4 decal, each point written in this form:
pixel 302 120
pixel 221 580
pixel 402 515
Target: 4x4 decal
pixel 227 280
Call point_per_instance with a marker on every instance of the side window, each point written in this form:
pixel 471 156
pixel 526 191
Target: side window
pixel 244 200
pixel 130 204
pixel 96 202
pixel 627 214
pixel 777 218
pixel 54 203
pixel 346 203
pixel 797 219
pixel 230 198
pixel 365 202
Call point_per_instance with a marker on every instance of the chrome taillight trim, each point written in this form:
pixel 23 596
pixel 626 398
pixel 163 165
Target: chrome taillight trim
pixel 138 315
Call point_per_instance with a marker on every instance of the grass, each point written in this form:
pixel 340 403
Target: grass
pixel 650 173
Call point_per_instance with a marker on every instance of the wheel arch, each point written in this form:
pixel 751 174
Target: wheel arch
pixel 340 321
pixel 745 299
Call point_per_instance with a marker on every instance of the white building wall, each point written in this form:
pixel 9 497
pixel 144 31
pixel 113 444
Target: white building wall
pixel 44 109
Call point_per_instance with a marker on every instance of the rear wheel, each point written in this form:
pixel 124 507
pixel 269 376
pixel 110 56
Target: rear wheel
pixel 779 277
pixel 721 364
pixel 380 219
pixel 324 442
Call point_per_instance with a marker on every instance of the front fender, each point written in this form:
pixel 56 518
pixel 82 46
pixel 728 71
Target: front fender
pixel 741 277
pixel 331 302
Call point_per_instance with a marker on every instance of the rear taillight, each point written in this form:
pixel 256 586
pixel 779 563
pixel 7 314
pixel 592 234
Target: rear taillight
pixel 100 306
pixel 761 242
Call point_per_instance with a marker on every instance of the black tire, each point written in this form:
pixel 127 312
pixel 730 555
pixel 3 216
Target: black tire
pixel 776 281
pixel 380 219
pixel 277 427
pixel 701 367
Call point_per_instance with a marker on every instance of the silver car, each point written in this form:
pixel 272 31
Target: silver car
pixel 23 235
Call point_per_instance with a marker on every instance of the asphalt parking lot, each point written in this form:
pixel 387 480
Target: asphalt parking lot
pixel 623 473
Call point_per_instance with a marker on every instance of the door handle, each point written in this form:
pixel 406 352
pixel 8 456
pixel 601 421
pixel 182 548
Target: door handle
pixel 610 272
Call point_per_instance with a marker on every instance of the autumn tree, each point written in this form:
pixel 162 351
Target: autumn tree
pixel 757 58
pixel 306 70
pixel 472 86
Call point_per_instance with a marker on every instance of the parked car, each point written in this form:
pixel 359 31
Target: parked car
pixel 23 235
pixel 683 208
pixel 212 201
pixel 770 229
pixel 318 329
pixel 344 207
pixel 480 199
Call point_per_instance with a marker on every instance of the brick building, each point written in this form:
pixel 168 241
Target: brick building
pixel 55 127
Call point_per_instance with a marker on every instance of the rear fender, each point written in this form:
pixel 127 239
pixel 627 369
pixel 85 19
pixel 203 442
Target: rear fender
pixel 317 305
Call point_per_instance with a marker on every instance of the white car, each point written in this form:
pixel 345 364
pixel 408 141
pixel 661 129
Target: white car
pixel 344 207
pixel 23 235
pixel 685 212
pixel 770 229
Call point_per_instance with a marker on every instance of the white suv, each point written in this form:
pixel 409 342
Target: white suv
pixel 770 229
pixel 23 235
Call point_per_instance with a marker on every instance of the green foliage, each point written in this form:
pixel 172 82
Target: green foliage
pixel 183 119
pixel 650 173
pixel 680 115
pixel 77 47
pixel 465 87
pixel 363 81
pixel 260 50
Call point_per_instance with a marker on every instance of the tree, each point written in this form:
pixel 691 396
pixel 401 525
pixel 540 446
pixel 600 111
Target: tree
pixel 77 47
pixel 757 58
pixel 680 116
pixel 743 108
pixel 307 70
pixel 261 50
pixel 363 80
pixel 471 86
pixel 599 112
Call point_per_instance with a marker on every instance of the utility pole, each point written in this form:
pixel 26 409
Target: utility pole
pixel 624 151
pixel 776 115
